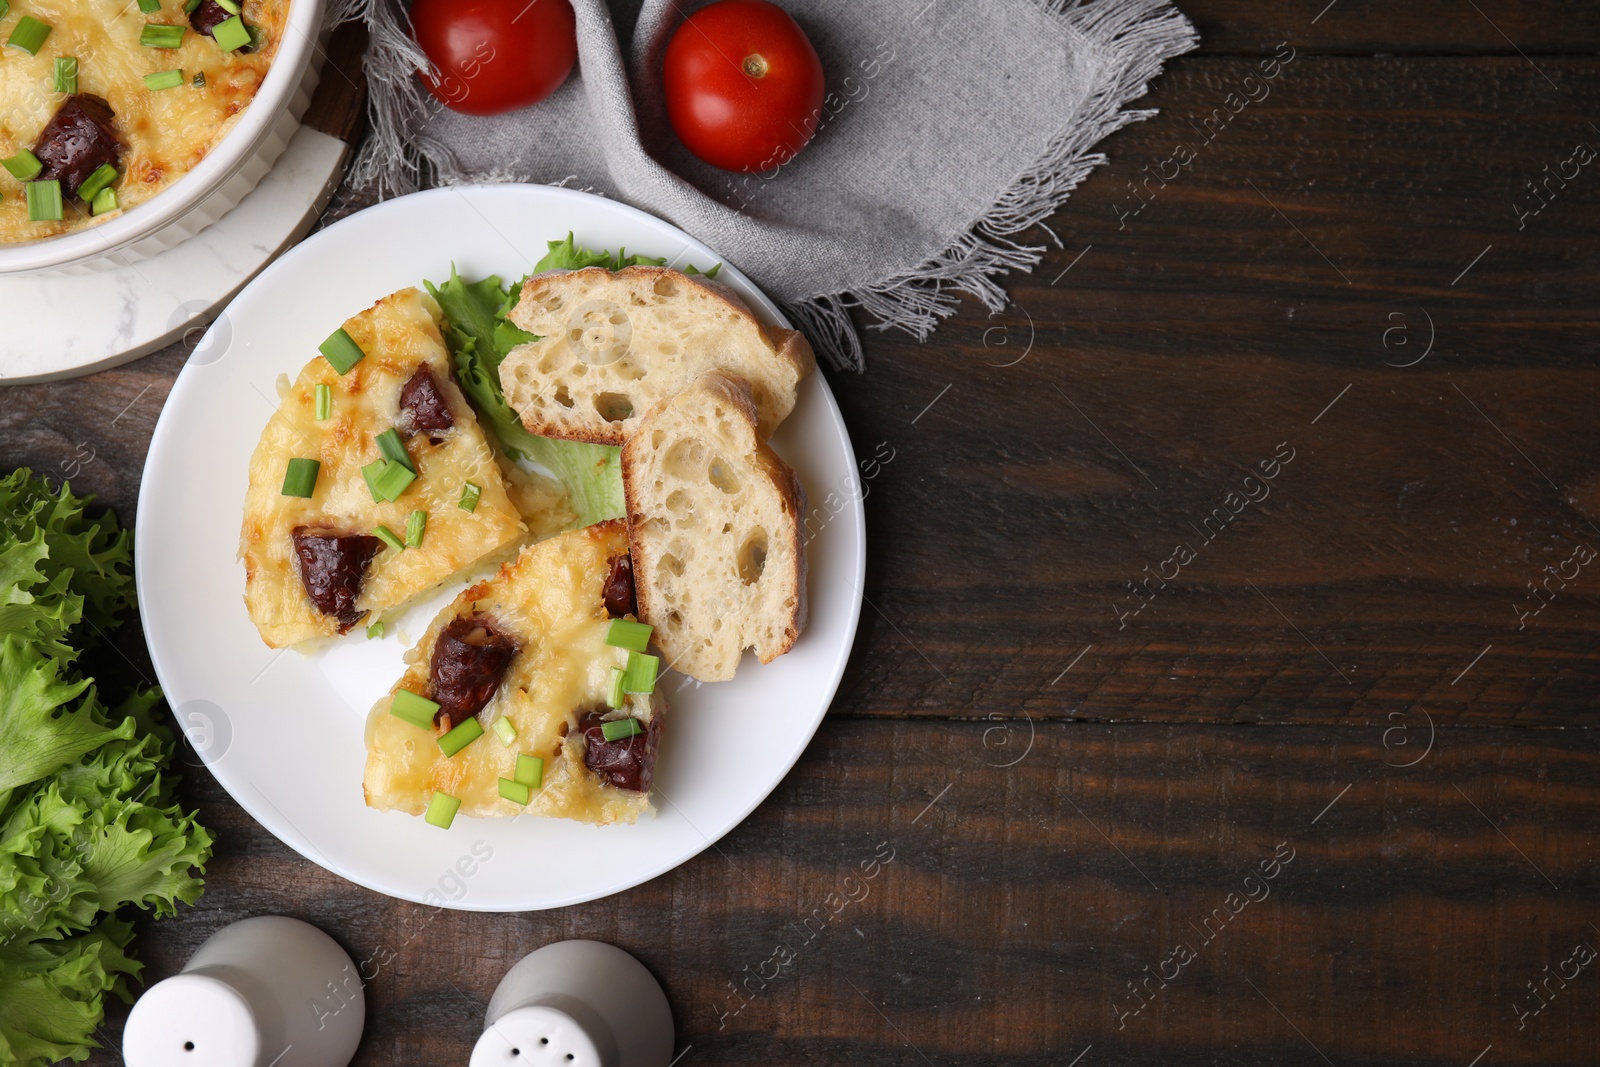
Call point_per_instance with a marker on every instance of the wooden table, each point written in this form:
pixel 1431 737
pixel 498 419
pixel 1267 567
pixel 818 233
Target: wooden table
pixel 1224 688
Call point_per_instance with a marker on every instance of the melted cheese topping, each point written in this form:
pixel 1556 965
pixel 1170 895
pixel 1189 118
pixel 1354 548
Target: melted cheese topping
pixel 399 333
pixel 166 132
pixel 550 600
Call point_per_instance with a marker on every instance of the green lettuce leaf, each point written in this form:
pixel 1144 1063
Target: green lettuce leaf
pixel 507 337
pixel 33 605
pixel 88 823
pixel 42 734
pixel 144 855
pixel 52 993
pixel 95 555
pixel 44 893
pixel 569 255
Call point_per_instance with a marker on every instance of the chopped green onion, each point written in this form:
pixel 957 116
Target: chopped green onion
pixel 515 792
pixel 258 37
pixel 530 770
pixel 416 710
pixel 469 497
pixel 229 6
pixel 66 74
pixel 442 808
pixel 159 35
pixel 392 481
pixel 149 7
pixel 375 630
pixel 640 675
pixel 163 79
pixel 100 178
pixel 199 79
pixel 231 34
pixel 301 477
pixel 631 635
pixel 505 731
pixel 390 538
pixel 5 8
pixel 621 729
pixel 370 472
pixel 460 737
pixel 324 401
pixel 614 694
pixel 29 34
pixel 44 200
pixel 416 525
pixel 23 166
pixel 341 351
pixel 189 6
pixel 386 479
pixel 393 448
pixel 105 200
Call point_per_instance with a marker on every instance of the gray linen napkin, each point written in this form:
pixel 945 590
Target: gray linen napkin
pixel 950 127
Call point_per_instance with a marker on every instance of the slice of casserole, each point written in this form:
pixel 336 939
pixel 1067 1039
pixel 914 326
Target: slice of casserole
pixel 531 693
pixel 370 486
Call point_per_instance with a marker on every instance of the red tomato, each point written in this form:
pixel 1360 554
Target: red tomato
pixel 744 86
pixel 495 55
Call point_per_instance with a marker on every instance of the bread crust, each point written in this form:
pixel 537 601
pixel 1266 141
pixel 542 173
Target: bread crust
pixel 794 348
pixel 796 497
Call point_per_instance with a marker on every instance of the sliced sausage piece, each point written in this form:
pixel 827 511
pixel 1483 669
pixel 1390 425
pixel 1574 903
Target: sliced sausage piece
pixel 208 16
pixel 333 567
pixel 77 140
pixel 469 659
pixel 629 763
pixel 618 592
pixel 423 407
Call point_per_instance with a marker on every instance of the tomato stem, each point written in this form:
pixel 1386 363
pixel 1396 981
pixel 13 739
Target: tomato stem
pixel 755 65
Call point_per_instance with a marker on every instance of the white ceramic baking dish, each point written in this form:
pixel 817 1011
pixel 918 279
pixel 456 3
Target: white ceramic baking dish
pixel 221 180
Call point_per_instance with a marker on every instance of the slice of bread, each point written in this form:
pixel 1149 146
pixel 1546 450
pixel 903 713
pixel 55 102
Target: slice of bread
pixel 614 344
pixel 714 530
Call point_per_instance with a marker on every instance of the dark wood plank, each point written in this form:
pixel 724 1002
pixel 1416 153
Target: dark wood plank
pixel 1194 340
pixel 339 105
pixel 1420 27
pixel 92 431
pixel 1010 907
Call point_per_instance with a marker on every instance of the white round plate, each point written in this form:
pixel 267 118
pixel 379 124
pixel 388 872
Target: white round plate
pixel 282 731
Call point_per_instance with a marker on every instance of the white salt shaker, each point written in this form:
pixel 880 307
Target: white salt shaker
pixel 576 1004
pixel 264 992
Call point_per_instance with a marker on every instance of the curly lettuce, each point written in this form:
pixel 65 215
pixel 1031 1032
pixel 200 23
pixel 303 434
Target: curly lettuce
pixel 567 254
pixel 88 820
